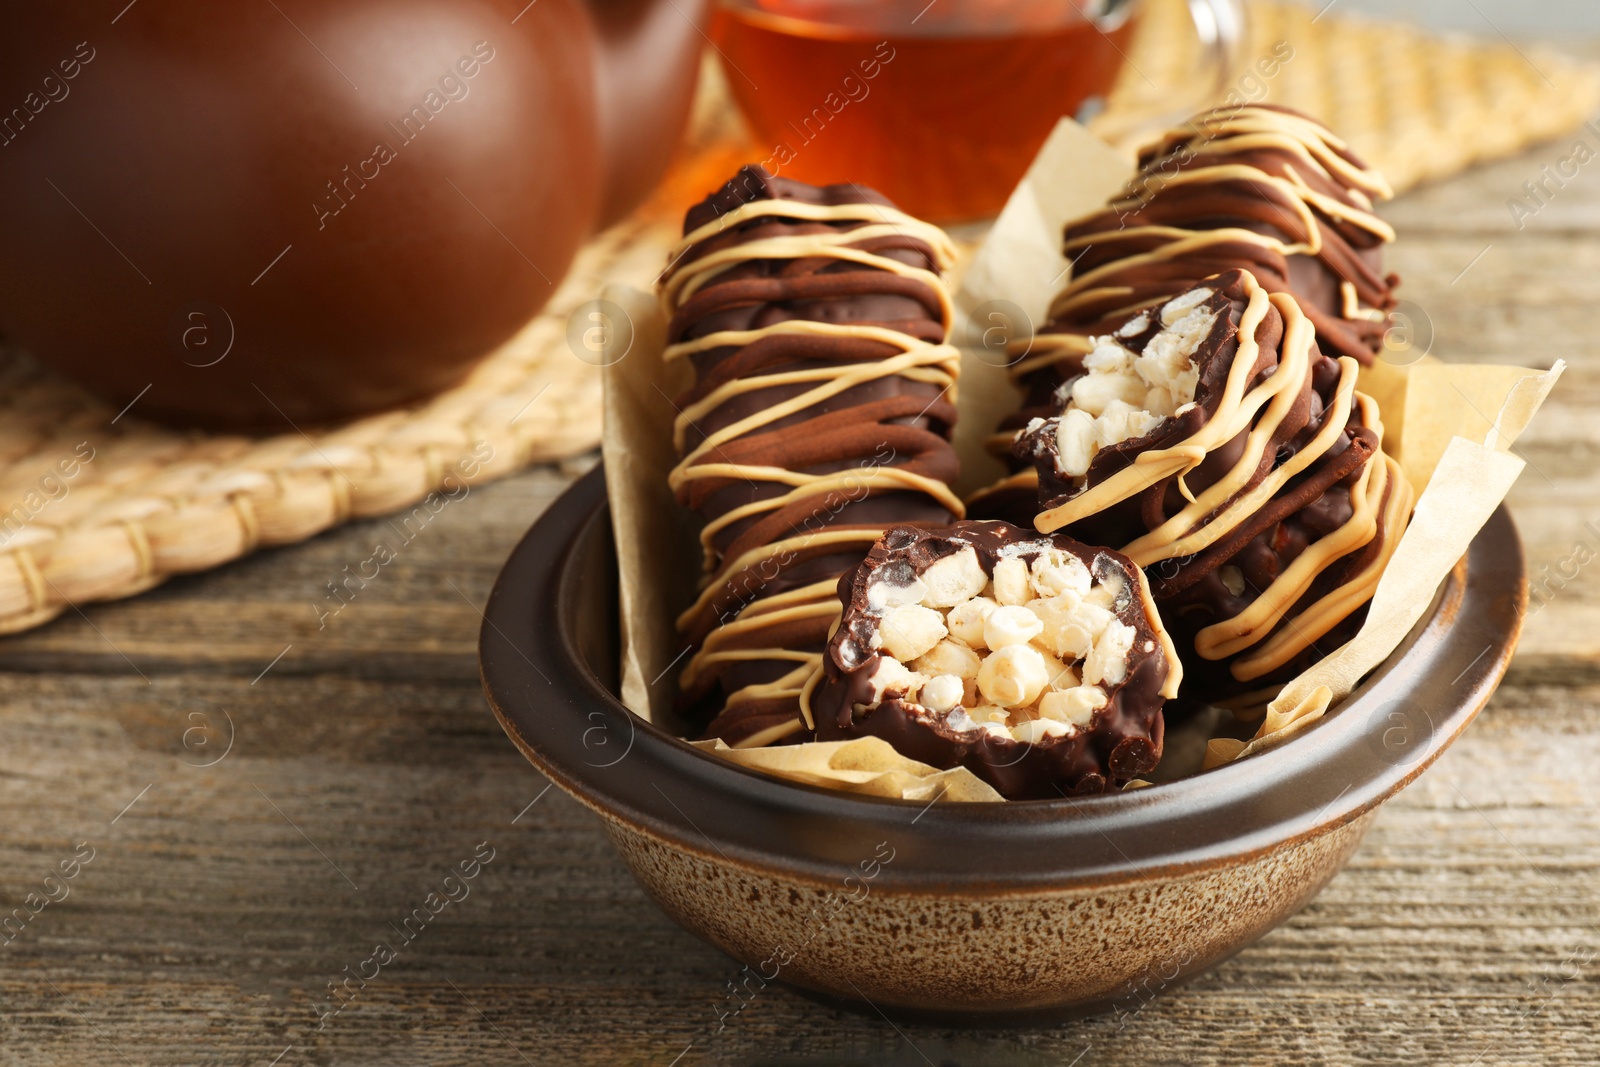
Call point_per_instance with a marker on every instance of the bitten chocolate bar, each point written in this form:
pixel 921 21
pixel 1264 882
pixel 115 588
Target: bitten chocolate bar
pixel 1035 661
pixel 814 321
pixel 1210 440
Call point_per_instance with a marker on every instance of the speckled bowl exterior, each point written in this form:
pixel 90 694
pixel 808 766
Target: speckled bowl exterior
pixel 1002 956
pixel 977 913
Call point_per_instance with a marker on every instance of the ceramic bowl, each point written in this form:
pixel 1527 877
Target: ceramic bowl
pixel 979 913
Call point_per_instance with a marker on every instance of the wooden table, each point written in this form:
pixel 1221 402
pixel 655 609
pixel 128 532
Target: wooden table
pixel 230 885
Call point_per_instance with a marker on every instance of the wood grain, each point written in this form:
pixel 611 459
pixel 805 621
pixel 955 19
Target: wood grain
pixel 364 763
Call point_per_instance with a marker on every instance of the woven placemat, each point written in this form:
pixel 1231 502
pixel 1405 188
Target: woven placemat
pixel 1417 104
pixel 96 504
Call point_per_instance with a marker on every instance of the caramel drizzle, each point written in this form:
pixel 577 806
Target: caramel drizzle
pixel 1245 129
pixel 1387 490
pixel 1224 638
pixel 918 361
pixel 736 639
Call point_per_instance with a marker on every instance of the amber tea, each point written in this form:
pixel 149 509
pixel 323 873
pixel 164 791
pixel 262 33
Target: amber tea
pixel 940 106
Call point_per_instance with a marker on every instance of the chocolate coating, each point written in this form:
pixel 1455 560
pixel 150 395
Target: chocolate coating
pixel 1122 742
pixel 788 538
pixel 1193 594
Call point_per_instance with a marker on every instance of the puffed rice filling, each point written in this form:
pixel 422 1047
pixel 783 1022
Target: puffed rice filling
pixel 1124 394
pixel 1026 654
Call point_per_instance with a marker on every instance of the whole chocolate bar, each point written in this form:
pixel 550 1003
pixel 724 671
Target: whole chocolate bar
pixel 1211 440
pixel 1263 188
pixel 814 321
pixel 1037 662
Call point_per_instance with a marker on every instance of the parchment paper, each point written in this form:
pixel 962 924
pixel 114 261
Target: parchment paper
pixel 866 765
pixel 1465 481
pixel 1020 272
pixel 658 552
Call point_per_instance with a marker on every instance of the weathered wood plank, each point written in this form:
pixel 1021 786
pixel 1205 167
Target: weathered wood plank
pixel 206 926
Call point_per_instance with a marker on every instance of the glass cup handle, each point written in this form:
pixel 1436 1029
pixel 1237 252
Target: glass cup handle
pixel 1220 25
pixel 1221 28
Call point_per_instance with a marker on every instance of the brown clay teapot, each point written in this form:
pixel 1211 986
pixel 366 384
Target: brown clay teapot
pixel 296 211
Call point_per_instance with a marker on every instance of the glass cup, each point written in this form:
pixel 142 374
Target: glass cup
pixel 941 106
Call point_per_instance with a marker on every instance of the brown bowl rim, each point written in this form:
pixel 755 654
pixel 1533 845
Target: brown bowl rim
pixel 571 726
